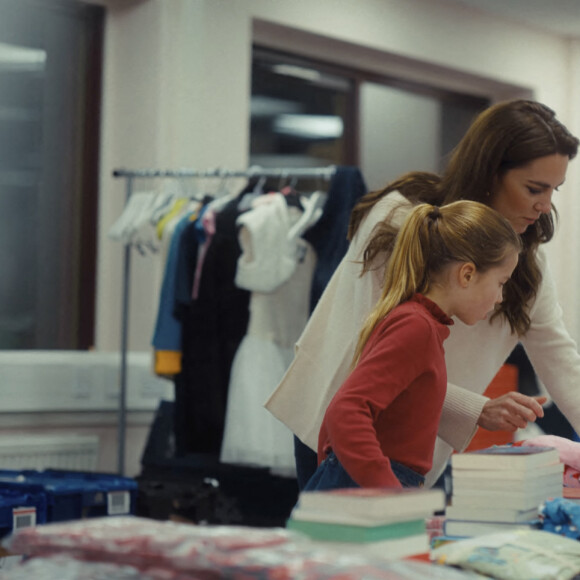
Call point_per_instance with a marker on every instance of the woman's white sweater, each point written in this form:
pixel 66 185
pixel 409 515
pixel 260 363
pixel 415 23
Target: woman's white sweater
pixel 474 354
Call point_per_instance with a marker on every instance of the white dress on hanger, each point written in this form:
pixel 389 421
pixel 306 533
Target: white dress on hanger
pixel 277 266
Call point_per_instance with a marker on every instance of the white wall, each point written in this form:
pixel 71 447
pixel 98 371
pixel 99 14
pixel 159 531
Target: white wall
pixel 177 90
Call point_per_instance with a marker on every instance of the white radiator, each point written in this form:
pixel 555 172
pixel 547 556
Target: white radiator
pixel 69 452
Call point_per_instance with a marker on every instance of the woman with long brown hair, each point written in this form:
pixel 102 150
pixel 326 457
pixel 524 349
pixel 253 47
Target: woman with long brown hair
pixel 513 158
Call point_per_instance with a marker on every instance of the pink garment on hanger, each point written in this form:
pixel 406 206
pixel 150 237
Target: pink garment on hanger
pixel 208 223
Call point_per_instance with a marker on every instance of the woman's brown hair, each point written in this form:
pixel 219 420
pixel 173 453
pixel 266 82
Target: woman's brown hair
pixel 503 137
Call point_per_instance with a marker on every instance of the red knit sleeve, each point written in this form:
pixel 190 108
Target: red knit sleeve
pixel 398 352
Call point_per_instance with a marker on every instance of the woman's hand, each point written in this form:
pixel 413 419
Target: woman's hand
pixel 510 412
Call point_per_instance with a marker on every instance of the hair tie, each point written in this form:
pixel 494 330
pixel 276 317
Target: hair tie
pixel 435 213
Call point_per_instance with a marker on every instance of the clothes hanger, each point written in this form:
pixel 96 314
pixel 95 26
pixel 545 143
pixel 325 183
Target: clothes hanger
pixel 291 195
pixel 250 196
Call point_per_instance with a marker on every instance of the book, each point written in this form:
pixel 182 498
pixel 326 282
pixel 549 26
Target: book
pixel 571 492
pixel 349 533
pixel 528 485
pixel 340 517
pixel 508 457
pixel 490 513
pixel 375 505
pixel 512 475
pixel 467 528
pixel 515 499
pixel 392 549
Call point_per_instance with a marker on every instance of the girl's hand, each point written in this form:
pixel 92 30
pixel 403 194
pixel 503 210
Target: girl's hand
pixel 510 412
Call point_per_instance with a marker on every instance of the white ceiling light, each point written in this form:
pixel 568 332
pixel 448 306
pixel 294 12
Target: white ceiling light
pixel 262 106
pixel 21 58
pixel 301 72
pixel 309 126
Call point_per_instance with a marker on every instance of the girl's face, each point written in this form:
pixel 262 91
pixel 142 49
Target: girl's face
pixel 482 291
pixel 523 194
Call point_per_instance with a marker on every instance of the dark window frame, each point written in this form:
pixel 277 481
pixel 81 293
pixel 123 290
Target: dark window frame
pixel 359 76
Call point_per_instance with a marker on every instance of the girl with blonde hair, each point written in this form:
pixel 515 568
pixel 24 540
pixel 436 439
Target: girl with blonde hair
pixel 380 427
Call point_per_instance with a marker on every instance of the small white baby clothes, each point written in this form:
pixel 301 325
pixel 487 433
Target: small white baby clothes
pixel 270 240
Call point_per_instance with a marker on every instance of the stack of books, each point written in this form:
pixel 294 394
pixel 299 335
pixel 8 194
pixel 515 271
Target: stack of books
pixel 384 522
pixel 500 489
pixel 571 494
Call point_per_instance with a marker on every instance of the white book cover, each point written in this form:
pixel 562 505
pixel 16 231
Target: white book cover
pixel 466 528
pixel 503 499
pixel 347 519
pixel 508 457
pixel 529 485
pixel 490 514
pixel 514 475
pixel 374 504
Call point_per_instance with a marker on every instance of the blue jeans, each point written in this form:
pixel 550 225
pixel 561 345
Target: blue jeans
pixel 306 462
pixel 330 474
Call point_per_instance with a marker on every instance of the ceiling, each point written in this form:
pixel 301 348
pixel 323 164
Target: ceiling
pixel 560 17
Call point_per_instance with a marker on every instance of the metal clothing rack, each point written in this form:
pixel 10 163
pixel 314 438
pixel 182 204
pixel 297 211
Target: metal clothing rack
pixel 253 171
pixel 324 173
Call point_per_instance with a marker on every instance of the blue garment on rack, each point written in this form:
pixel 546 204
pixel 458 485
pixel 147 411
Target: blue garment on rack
pixel 328 234
pixel 191 239
pixel 167 333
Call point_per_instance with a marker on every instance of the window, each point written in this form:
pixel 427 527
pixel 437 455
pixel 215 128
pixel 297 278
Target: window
pixel 50 58
pixel 308 113
pixel 301 114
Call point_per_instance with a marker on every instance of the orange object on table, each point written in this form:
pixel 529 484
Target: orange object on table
pixel 505 381
pixel 423 557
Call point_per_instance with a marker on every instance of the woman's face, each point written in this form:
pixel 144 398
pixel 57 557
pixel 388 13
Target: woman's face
pixel 523 194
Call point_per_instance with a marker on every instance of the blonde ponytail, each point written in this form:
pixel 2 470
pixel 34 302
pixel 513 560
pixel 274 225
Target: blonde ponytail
pixel 431 238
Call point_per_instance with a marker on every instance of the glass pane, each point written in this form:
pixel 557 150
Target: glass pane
pixel 298 114
pixel 399 133
pixel 44 51
pixel 22 71
pixel 402 130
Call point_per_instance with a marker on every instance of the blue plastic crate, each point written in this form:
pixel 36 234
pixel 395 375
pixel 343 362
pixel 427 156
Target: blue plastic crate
pixel 121 492
pixel 74 495
pixel 21 505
